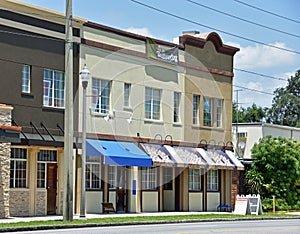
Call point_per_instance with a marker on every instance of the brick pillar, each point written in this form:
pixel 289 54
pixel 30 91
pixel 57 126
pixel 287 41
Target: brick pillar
pixel 5 119
pixel 235 186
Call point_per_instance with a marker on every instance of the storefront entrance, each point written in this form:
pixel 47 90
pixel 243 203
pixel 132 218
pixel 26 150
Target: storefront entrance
pixel 51 188
pixel 121 190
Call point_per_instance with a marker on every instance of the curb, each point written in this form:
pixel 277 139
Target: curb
pixel 89 225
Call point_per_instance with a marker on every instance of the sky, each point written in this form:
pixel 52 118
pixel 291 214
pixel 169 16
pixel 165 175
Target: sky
pixel 259 67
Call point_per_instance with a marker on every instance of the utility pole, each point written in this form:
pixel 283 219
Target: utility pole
pixel 237 119
pixel 68 125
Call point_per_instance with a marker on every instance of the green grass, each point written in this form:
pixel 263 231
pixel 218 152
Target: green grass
pixel 115 220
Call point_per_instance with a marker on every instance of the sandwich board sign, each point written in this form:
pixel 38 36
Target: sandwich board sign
pixel 255 204
pixel 249 204
pixel 242 205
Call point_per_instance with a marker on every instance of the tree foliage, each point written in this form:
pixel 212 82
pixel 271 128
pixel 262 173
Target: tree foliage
pixel 248 115
pixel 285 109
pixel 277 162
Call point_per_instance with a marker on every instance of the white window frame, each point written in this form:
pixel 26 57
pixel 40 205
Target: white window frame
pixel 168 178
pixel 26 78
pixel 14 160
pixel 44 157
pixel 176 107
pixel 54 88
pixel 101 90
pixel 219 112
pixel 41 175
pixel 149 178
pixel 212 180
pixel 207 112
pixel 153 103
pixel 93 176
pixel 112 177
pixel 196 103
pixel 127 93
pixel 195 175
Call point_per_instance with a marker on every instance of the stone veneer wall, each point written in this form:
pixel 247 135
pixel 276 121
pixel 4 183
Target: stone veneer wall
pixel 5 119
pixel 19 202
pixel 41 202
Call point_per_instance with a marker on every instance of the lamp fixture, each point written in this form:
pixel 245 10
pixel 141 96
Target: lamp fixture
pixel 129 120
pixel 107 118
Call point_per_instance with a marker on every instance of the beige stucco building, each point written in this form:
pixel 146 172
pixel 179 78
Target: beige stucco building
pixel 178 111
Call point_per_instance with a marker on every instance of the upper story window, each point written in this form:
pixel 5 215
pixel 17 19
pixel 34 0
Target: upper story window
pixel 26 78
pixel 54 86
pixel 207 112
pixel 176 108
pixel 152 103
pixel 242 134
pixel 127 91
pixel 101 95
pixel 18 168
pixel 195 179
pixel 219 107
pixel 196 100
pixel 212 180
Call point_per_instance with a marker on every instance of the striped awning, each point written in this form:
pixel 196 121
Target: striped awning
pixel 217 159
pixel 159 154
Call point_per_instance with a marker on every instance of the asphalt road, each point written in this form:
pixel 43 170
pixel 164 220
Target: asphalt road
pixel 257 226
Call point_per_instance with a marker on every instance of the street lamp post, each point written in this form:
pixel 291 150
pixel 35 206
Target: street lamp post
pixel 85 75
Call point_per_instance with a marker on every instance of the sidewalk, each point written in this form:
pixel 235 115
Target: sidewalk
pixel 111 215
pixel 97 216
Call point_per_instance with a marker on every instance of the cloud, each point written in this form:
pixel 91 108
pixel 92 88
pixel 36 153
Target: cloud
pixel 255 85
pixel 176 40
pixel 262 56
pixel 141 31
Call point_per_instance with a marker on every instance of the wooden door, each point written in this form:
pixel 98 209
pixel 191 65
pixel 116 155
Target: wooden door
pixel 121 198
pixel 51 188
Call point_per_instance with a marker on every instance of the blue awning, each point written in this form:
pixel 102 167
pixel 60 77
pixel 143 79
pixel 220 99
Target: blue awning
pixel 118 153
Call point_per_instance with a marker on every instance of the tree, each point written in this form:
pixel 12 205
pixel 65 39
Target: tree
pixel 285 109
pixel 248 115
pixel 277 160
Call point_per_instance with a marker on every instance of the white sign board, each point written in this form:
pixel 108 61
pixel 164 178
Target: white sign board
pixel 242 205
pixel 255 204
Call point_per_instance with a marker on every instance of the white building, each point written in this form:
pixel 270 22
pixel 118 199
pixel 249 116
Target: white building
pixel 245 135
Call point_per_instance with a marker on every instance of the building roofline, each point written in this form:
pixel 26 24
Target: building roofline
pixel 267 125
pixel 126 33
pixel 199 40
pixel 38 12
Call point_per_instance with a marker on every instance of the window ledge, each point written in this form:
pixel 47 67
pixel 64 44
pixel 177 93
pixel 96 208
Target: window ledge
pixel 128 108
pixel 27 95
pixel 177 124
pixel 153 121
pixel 49 108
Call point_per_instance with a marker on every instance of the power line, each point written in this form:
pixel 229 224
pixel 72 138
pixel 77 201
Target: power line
pixel 245 20
pixel 260 74
pixel 253 90
pixel 54 39
pixel 212 28
pixel 269 12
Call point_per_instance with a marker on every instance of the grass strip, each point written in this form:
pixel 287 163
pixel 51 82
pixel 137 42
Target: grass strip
pixel 142 219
